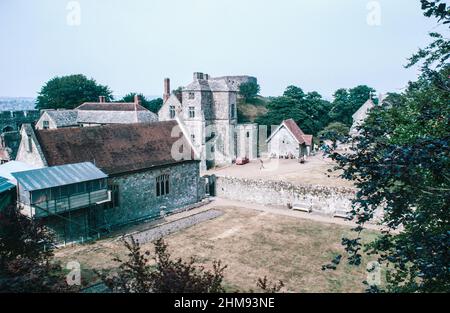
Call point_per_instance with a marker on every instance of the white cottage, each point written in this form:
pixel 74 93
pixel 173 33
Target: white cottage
pixel 289 141
pixel 360 116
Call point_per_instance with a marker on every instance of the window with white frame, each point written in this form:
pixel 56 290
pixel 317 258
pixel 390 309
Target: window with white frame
pixel 191 112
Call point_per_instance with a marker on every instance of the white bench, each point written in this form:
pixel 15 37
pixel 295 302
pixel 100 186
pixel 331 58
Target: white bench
pixel 303 208
pixel 341 213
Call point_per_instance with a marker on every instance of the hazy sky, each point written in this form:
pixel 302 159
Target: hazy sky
pixel 131 45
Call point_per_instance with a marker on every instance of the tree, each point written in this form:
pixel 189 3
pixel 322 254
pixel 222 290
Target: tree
pixel 308 110
pixel 335 132
pixel 68 92
pixel 26 251
pixel 152 105
pixel 166 276
pixel 347 102
pixel 249 91
pixel 400 164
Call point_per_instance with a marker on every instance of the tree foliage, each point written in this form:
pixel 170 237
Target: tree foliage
pixel 335 132
pixel 308 110
pixel 347 101
pixel 249 91
pixel 167 275
pixel 26 252
pixel 68 92
pixel 401 164
pixel 152 105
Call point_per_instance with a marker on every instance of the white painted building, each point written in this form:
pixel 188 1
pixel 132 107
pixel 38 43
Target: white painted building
pixel 289 141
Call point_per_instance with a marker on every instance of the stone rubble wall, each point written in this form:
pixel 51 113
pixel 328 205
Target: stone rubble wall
pixel 320 199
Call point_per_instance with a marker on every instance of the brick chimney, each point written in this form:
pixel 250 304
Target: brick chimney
pixel 102 99
pixel 166 94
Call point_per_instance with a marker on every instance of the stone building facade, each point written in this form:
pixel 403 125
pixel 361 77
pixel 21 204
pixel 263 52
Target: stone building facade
pixel 146 178
pixel 207 108
pixel 289 141
pixel 10 124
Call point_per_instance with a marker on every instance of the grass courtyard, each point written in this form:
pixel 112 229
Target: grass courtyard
pixel 253 244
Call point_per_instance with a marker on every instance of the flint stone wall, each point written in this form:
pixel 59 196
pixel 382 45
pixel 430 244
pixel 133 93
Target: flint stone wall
pixel 321 199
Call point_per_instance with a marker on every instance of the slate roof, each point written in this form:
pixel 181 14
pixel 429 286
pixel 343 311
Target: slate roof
pixel 115 148
pixel 116 117
pixel 102 113
pixel 62 175
pixel 63 118
pixel 111 106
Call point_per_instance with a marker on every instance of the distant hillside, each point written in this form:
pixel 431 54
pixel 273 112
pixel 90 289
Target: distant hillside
pixel 249 112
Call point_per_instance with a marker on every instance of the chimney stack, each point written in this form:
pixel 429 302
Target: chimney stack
pixel 102 99
pixel 166 95
pixel 137 100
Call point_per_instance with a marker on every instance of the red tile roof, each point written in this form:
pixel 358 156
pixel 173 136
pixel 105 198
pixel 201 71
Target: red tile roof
pixel 297 132
pixel 111 106
pixel 115 149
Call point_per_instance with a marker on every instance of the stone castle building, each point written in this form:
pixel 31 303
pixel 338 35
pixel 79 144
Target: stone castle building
pixel 207 109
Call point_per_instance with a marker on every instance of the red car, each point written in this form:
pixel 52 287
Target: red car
pixel 242 161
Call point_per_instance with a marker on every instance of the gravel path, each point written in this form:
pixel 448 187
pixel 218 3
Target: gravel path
pixel 174 226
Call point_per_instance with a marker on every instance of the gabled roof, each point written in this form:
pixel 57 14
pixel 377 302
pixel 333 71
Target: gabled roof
pixel 62 175
pixel 63 118
pixel 111 106
pixel 116 148
pixel 295 131
pixel 369 104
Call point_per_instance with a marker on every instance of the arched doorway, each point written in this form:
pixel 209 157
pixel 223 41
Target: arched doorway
pixel 7 129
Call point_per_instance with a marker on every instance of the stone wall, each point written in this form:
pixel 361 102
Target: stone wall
pixel 137 192
pixel 13 120
pixel 321 199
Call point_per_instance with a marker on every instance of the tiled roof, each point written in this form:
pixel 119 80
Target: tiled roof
pixel 295 130
pixel 115 149
pixel 298 134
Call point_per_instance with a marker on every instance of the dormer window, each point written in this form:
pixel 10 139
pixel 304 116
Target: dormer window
pixel 191 112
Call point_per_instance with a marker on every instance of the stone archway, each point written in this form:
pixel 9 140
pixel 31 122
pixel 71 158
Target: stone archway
pixel 7 129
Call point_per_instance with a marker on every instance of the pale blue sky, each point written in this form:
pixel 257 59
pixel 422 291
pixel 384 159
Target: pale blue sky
pixel 132 45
